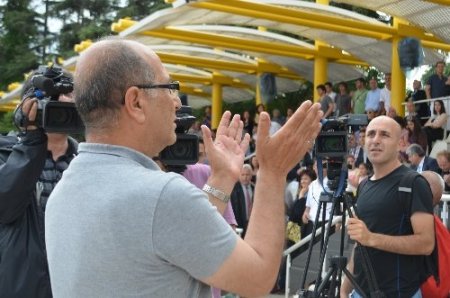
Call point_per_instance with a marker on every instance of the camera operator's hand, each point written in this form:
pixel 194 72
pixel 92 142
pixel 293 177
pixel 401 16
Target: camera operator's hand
pixel 358 231
pixel 29 110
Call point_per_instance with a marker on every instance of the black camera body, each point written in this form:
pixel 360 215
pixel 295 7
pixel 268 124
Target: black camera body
pixel 47 84
pixel 185 149
pixel 332 143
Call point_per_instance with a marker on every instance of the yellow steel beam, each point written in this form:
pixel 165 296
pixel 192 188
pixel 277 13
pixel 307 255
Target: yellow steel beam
pixel 228 65
pixel 217 40
pixel 295 17
pixel 436 45
pixel 6 108
pixel 9 106
pixel 205 63
pixel 312 19
pixel 224 80
pixel 222 41
pixel 194 91
pixel 440 2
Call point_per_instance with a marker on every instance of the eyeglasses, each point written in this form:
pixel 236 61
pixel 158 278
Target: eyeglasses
pixel 173 87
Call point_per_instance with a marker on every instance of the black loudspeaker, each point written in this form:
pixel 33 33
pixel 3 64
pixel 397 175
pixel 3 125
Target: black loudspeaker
pixel 267 87
pixel 410 53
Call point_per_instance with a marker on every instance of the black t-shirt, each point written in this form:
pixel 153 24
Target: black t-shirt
pixel 438 86
pixel 380 207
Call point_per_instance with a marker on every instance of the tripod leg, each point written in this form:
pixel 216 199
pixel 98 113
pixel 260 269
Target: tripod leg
pixel 319 289
pixel 325 245
pixel 353 282
pixel 310 247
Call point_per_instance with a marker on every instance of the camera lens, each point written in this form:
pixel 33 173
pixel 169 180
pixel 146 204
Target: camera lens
pixel 183 152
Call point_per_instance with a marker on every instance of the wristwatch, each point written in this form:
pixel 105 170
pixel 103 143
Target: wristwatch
pixel 216 193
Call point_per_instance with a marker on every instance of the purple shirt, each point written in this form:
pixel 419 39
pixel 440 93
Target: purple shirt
pixel 198 174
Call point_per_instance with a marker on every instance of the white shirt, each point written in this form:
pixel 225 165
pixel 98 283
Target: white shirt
pixel 420 165
pixel 250 197
pixel 274 127
pixel 385 96
pixel 313 197
pixel 290 193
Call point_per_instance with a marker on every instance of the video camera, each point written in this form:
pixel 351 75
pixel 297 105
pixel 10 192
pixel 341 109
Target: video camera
pixel 47 84
pixel 332 143
pixel 185 149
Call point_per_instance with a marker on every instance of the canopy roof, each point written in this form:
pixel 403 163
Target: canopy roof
pixel 230 42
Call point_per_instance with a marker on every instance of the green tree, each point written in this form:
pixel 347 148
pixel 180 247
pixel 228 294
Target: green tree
pixel 18 41
pixel 430 71
pixel 6 122
pixel 139 9
pixel 85 19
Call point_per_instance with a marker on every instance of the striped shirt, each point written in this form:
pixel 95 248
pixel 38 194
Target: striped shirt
pixel 52 173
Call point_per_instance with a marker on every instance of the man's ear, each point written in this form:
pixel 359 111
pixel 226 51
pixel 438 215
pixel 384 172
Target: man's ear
pixel 133 104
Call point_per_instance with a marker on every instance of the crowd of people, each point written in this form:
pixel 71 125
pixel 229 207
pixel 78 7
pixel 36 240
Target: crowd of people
pixel 106 218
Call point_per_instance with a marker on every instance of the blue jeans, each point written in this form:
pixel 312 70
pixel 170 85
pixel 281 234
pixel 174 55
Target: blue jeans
pixel 355 294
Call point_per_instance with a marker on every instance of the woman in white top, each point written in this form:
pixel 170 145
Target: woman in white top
pixel 434 128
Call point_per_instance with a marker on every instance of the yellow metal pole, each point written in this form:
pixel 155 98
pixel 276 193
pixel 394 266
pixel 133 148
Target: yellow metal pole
pixel 216 105
pixel 258 90
pixel 320 62
pixel 258 99
pixel 398 81
pixel 320 73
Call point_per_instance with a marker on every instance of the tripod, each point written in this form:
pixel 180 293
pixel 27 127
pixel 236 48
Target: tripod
pixel 337 263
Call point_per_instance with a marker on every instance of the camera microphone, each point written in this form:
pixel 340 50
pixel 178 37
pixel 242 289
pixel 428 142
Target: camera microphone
pixel 43 83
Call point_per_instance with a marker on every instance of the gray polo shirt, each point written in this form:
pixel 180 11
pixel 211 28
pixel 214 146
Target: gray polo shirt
pixel 117 226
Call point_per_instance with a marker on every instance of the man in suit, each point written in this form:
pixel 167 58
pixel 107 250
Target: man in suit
pixel 423 109
pixel 242 198
pixel 420 162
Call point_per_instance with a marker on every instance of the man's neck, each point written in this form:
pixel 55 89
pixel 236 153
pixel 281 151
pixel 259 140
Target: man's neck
pixel 380 171
pixel 57 145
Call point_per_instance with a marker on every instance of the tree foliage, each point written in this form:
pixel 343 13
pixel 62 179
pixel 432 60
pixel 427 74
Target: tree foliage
pixel 17 41
pixel 139 9
pixel 6 122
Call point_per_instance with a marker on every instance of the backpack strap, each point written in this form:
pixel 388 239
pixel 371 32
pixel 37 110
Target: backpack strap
pixel 405 189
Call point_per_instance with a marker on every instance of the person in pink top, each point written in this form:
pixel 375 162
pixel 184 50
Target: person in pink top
pixel 198 174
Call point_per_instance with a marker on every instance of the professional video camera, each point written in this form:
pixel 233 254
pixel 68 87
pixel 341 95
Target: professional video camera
pixel 332 143
pixel 47 84
pixel 185 149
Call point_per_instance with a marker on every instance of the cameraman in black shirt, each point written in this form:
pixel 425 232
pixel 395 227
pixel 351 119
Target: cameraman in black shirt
pixel 30 166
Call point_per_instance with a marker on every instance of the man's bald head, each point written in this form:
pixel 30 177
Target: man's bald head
pixel 436 183
pixel 104 73
pixel 387 122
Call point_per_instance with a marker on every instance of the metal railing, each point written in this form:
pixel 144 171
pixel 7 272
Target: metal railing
pixel 303 245
pixel 445 199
